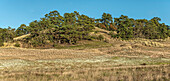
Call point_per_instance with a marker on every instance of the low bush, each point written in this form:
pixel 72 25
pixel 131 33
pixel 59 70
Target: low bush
pixel 100 37
pixel 1 44
pixel 17 45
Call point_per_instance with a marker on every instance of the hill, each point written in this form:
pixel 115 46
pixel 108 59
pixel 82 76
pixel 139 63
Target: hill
pixel 54 30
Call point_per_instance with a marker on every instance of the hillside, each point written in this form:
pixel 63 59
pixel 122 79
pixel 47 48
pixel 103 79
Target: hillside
pixel 55 30
pixel 117 60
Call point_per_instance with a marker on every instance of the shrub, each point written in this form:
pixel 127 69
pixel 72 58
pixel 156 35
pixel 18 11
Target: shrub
pixel 1 44
pixel 17 45
pixel 100 37
pixel 96 31
pixel 169 32
pixel 55 45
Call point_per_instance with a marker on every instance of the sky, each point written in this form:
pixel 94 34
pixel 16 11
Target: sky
pixel 13 13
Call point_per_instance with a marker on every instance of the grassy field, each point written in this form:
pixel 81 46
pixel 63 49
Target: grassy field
pixel 88 61
pixel 135 73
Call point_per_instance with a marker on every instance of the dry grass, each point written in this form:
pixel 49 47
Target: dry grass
pixel 8 45
pixel 144 73
pixel 123 61
pixel 34 54
pixel 21 37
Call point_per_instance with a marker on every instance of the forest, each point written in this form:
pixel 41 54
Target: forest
pixel 55 29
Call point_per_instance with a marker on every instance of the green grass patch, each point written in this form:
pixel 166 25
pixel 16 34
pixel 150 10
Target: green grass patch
pixel 115 58
pixel 92 44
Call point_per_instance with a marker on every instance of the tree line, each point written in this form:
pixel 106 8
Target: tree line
pixel 128 28
pixel 72 27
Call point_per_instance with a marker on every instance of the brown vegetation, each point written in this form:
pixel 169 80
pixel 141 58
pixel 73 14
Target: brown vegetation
pixel 144 73
pixel 89 60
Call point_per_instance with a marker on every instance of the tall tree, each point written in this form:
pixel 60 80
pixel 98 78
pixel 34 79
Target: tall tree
pixel 124 27
pixel 107 19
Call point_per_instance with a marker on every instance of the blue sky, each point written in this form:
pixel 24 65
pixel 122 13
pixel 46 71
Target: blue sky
pixel 13 13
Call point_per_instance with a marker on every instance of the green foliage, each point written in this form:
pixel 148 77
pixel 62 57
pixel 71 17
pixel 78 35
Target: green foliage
pixel 89 44
pixel 96 32
pixel 72 27
pixel 55 45
pixel 22 30
pixel 106 22
pixel 169 32
pixel 7 34
pixel 100 37
pixel 124 27
pixel 17 45
pixel 107 19
pixel 1 44
pixel 128 28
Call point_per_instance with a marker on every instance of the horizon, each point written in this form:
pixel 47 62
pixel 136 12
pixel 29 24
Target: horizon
pixel 17 12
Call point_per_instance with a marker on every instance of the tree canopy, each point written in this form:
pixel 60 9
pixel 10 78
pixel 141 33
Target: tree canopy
pixel 54 28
